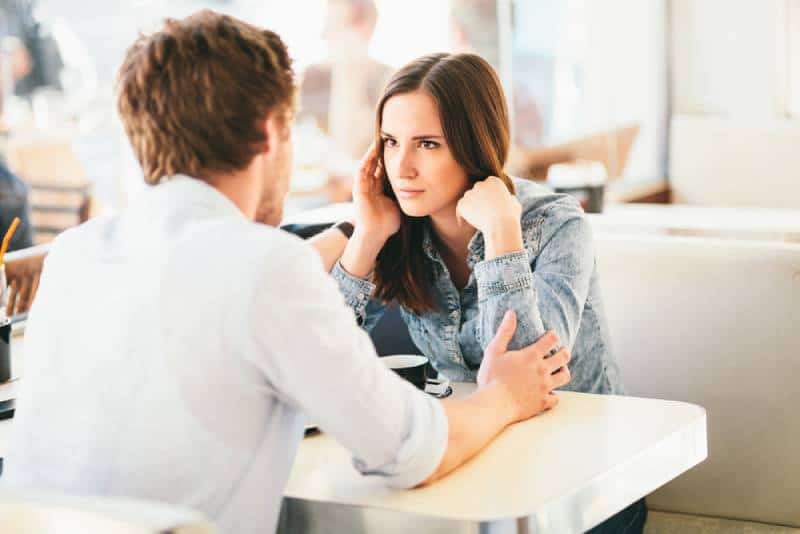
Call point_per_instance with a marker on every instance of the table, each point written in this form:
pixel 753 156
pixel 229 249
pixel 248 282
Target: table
pixel 564 471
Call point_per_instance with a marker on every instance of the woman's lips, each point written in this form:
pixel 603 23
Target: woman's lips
pixel 408 193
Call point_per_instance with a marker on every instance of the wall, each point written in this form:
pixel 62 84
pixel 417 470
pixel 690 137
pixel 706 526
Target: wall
pixel 735 109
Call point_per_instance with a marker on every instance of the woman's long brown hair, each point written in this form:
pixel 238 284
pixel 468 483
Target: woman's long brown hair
pixel 474 118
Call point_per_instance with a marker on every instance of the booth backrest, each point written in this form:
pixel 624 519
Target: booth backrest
pixel 716 323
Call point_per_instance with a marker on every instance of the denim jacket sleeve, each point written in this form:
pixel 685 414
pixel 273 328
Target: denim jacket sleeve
pixel 357 294
pixel 548 291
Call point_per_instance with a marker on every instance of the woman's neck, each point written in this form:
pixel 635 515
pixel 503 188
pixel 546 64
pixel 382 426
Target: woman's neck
pixel 452 233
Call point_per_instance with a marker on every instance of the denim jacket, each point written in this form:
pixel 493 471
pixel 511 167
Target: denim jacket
pixel 551 285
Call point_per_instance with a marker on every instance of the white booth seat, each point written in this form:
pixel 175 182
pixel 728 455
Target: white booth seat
pixel 716 323
pixel 44 513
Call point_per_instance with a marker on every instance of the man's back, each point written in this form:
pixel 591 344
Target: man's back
pixel 137 377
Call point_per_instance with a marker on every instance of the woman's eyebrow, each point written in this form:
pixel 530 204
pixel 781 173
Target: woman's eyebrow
pixel 416 137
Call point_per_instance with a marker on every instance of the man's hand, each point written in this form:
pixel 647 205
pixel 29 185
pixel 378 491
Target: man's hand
pixel 529 375
pixel 513 385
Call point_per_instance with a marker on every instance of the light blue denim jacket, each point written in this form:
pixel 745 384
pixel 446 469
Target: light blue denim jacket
pixel 552 285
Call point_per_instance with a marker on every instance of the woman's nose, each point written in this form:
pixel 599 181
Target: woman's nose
pixel 405 164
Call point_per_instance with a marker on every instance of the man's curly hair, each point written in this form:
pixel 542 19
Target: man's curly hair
pixel 194 95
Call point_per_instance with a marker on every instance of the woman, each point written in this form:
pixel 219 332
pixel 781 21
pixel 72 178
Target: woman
pixel 444 232
pixel 440 229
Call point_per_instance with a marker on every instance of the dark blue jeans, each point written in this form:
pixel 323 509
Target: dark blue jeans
pixel 629 521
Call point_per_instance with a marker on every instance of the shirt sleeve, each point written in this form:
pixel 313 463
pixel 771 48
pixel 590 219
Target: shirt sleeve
pixel 357 294
pixel 548 293
pixel 314 356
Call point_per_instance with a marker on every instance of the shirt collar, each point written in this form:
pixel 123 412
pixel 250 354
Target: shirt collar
pixel 200 195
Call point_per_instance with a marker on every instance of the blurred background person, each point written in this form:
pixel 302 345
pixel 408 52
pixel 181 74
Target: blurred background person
pixel 14 203
pixel 475 28
pixel 354 81
pixel 38 60
pixel 21 44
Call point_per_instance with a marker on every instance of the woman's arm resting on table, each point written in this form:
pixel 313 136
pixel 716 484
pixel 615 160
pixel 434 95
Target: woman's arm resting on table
pixel 550 297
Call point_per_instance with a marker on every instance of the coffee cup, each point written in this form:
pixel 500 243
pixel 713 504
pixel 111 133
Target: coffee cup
pixel 5 350
pixel 411 367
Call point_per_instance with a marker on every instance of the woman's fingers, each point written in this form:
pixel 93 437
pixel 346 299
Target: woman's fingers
pixel 371 175
pixel 363 183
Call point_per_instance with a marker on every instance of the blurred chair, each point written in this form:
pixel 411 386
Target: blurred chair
pixel 29 513
pixel 60 194
pixel 57 207
pixel 23 269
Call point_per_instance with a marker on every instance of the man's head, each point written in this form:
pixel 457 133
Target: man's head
pixel 210 96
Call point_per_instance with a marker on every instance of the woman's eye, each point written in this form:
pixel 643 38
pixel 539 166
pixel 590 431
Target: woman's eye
pixel 428 144
pixel 389 142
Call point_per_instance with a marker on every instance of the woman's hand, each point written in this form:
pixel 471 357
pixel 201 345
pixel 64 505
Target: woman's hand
pixel 495 212
pixel 376 214
pixel 377 218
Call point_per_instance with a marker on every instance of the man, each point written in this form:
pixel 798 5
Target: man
pixel 172 350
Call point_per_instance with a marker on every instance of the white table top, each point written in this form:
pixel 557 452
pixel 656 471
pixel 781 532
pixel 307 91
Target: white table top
pixel 565 471
pixel 582 462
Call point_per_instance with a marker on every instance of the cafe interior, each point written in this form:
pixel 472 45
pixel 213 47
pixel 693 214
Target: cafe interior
pixel 675 124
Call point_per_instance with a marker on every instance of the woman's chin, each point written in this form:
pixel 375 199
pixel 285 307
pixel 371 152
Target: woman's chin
pixel 413 209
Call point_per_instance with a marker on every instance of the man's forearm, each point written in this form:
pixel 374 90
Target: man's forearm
pixel 472 423
pixel 330 245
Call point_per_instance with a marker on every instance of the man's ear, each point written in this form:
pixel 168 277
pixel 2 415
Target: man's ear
pixel 267 126
pixel 276 127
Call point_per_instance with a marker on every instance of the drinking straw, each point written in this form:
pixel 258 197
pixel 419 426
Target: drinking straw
pixel 7 238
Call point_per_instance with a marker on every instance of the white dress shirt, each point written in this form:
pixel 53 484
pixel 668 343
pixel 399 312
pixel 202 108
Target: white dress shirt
pixel 172 350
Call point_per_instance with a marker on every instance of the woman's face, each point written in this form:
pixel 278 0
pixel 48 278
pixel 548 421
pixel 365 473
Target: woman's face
pixel 424 176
